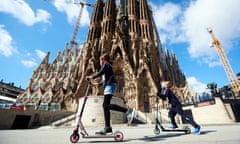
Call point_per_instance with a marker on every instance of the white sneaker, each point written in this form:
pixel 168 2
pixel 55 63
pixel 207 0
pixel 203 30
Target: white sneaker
pixel 130 115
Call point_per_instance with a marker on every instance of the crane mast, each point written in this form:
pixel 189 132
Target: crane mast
pixel 82 4
pixel 227 67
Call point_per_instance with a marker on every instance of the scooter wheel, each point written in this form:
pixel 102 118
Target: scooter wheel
pixel 187 130
pixel 118 136
pixel 74 138
pixel 156 131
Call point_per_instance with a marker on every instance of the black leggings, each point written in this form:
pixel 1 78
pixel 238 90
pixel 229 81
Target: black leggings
pixel 178 109
pixel 107 106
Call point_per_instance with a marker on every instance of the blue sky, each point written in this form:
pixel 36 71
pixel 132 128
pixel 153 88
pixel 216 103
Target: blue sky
pixel 31 28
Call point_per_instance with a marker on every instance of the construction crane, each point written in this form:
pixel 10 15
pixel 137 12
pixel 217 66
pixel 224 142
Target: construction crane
pixel 227 67
pixel 82 4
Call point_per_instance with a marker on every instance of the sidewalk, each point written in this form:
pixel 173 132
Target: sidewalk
pixel 211 134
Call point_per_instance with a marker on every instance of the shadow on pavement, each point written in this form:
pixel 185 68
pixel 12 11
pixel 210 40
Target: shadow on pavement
pixel 160 137
pixel 207 131
pixel 147 138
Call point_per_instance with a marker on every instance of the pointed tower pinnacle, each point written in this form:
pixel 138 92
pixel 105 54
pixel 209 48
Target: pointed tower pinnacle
pixel 128 33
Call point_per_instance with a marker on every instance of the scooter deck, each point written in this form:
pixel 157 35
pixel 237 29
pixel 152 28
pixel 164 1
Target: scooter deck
pixel 100 136
pixel 186 130
pixel 175 130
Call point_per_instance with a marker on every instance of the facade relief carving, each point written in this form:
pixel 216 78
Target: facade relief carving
pixel 127 32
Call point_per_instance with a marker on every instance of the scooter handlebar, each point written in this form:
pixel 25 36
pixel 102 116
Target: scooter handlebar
pixel 89 79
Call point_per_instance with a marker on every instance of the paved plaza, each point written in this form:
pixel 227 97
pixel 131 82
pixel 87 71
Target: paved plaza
pixel 211 134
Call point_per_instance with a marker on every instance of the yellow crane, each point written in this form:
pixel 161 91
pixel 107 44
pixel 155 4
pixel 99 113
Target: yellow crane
pixel 227 67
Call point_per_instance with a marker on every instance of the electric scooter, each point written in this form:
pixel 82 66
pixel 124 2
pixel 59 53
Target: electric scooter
pixel 159 126
pixel 117 135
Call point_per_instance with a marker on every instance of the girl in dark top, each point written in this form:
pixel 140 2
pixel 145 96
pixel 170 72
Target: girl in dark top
pixel 110 85
pixel 176 107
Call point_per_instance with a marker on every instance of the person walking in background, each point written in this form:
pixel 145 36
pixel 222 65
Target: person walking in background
pixel 176 107
pixel 109 83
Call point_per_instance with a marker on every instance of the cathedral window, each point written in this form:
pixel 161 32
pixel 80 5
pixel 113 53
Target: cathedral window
pixel 48 86
pixel 35 86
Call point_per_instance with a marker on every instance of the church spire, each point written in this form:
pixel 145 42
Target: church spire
pixel 145 20
pixel 108 25
pixel 133 14
pixel 95 23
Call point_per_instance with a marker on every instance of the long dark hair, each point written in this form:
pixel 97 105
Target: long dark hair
pixel 106 57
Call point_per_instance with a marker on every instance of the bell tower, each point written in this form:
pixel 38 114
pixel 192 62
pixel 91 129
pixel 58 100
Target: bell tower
pixel 127 31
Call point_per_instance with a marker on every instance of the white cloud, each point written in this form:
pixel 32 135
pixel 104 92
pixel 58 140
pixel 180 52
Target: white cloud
pixel 221 15
pixel 32 60
pixel 40 54
pixel 167 21
pixel 6 45
pixel 196 85
pixel 189 25
pixel 29 54
pixel 23 12
pixel 28 63
pixel 71 8
pixel 212 62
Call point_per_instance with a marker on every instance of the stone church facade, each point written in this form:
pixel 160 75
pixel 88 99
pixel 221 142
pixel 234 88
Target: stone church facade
pixel 127 32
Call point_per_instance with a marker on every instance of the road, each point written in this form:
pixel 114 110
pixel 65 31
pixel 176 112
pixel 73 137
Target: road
pixel 210 134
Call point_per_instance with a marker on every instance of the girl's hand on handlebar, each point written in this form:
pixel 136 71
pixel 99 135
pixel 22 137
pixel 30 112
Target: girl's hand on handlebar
pixel 95 84
pixel 89 77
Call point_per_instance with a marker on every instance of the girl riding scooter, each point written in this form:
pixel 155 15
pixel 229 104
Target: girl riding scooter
pixel 110 85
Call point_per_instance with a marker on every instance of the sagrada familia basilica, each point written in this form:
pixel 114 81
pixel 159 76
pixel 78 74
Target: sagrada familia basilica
pixel 127 31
